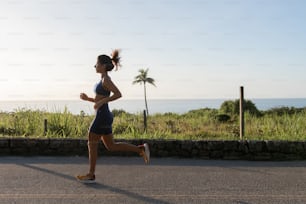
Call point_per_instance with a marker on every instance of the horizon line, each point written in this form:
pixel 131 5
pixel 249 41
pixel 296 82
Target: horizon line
pixel 226 98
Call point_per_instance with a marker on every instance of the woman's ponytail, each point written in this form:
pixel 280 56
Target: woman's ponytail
pixel 116 58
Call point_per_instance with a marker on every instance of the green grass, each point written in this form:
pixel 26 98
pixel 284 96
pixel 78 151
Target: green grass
pixel 203 124
pixel 284 127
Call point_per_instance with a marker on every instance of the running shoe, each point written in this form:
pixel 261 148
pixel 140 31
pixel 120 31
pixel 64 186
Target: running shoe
pixel 145 153
pixel 86 178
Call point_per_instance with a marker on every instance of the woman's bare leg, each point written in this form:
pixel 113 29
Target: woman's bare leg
pixel 93 142
pixel 109 143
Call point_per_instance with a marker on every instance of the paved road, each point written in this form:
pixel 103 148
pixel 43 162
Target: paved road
pixel 169 180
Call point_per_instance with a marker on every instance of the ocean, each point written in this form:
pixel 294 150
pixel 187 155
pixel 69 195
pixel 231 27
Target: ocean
pixel 179 106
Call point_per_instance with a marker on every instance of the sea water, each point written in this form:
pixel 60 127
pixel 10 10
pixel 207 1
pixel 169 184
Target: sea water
pixel 137 105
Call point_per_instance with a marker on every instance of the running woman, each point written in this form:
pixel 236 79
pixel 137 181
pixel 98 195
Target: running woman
pixel 101 126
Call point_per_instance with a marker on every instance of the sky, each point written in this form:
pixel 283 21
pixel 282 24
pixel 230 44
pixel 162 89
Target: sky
pixel 193 49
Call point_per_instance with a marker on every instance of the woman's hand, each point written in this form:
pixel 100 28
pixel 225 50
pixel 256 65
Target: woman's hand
pixel 96 106
pixel 83 96
pixel 99 103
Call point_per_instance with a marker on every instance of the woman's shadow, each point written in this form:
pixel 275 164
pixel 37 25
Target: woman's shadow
pixel 98 186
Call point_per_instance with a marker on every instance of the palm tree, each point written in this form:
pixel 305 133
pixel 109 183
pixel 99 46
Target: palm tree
pixel 143 78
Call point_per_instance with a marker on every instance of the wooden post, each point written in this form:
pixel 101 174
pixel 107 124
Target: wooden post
pixel 241 113
pixel 145 120
pixel 45 126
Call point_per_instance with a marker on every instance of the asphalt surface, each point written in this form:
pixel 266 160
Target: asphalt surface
pixel 165 180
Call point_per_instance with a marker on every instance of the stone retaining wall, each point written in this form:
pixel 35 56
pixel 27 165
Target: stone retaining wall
pixel 232 150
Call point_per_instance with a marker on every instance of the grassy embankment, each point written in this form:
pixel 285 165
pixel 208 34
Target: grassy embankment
pixel 275 124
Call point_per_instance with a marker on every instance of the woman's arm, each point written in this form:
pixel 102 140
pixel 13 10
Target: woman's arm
pixel 109 85
pixel 84 97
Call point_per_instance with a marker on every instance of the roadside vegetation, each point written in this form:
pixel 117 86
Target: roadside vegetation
pixel 282 123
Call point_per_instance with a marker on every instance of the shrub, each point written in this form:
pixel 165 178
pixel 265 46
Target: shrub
pixel 222 118
pixel 280 111
pixel 119 112
pixel 232 107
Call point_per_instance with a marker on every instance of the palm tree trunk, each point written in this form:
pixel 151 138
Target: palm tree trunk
pixel 145 95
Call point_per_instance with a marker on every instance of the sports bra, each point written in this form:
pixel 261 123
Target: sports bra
pixel 100 90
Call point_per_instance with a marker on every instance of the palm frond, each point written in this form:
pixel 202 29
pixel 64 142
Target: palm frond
pixel 150 81
pixel 137 81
